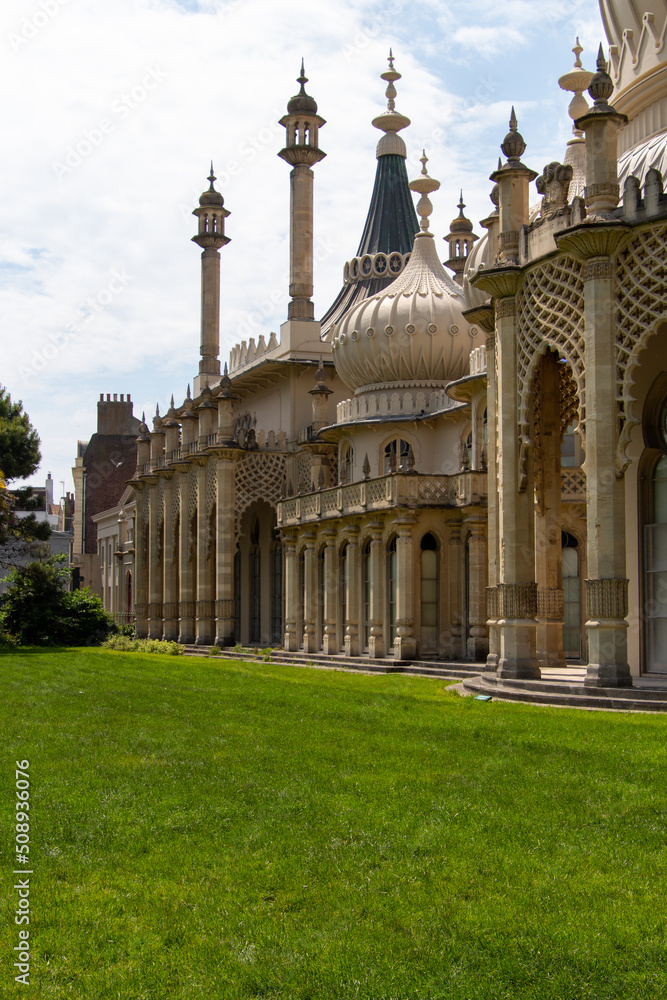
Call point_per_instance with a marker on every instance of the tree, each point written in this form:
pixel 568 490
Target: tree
pixel 38 610
pixel 19 442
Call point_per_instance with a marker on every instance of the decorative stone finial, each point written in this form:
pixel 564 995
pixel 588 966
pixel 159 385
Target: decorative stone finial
pixel 391 121
pixel 513 146
pixel 188 396
pixel 601 86
pixel 211 196
pixel 576 81
pixel 302 101
pixel 172 401
pixel 425 185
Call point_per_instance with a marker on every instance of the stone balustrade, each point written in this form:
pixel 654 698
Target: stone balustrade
pixel 384 493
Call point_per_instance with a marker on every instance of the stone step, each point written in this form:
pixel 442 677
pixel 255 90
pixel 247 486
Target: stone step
pixel 560 693
pixel 425 668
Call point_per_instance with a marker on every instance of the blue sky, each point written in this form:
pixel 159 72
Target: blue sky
pixel 112 112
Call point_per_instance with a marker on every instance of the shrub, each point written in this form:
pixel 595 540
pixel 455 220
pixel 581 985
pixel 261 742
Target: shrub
pixel 37 609
pixel 214 651
pixel 125 644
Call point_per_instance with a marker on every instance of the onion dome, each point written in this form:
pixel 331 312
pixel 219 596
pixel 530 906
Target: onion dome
pixel 460 224
pixel 413 332
pixel 211 196
pixel 302 101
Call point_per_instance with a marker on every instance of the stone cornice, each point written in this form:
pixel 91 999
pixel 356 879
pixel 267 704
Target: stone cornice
pixel 593 240
pixel 499 282
pixel 482 316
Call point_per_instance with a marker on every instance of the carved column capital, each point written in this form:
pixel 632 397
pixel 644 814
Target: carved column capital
pixel 606 599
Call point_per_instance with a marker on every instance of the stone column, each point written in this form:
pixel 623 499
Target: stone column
pixel 457 640
pixel 291 592
pixel 205 622
pixel 376 639
pixel 549 566
pixel 186 608
pixel 517 590
pixel 140 582
pixel 477 640
pixel 492 508
pixel 170 609
pixel 405 643
pixel 309 639
pixel 352 573
pixel 332 630
pixel 155 566
pixel 224 550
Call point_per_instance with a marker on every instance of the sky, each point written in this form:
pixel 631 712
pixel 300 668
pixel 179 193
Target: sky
pixel 112 113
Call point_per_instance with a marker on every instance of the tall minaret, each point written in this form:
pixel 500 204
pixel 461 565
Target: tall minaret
pixel 302 123
pixel 210 237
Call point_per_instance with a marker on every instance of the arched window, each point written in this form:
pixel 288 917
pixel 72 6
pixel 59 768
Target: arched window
pixel 655 600
pixel 429 594
pixel 276 589
pixel 571 597
pixel 366 589
pixel 342 590
pixel 347 464
pixel 396 454
pixel 391 588
pixel 255 580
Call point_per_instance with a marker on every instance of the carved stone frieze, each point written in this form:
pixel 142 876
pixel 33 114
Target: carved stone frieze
pixel 517 600
pixel 597 269
pixel 205 609
pixel 155 609
pixel 505 307
pixel 606 599
pixel 186 609
pixel 492 602
pixel 550 603
pixel 224 609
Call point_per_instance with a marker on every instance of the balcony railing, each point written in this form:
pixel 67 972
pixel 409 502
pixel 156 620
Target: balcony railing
pixel 397 490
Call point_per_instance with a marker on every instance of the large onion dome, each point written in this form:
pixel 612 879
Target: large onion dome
pixel 412 333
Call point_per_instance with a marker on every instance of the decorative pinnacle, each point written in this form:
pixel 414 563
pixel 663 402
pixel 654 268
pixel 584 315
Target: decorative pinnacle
pixel 187 395
pixel 172 401
pixel 576 82
pixel 601 86
pixel 302 79
pixel 211 177
pixel 425 185
pixel 157 409
pixel 390 75
pixel 513 146
pixel 143 417
pixel 578 49
pixel 461 205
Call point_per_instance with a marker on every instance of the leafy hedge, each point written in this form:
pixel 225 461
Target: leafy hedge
pixel 124 644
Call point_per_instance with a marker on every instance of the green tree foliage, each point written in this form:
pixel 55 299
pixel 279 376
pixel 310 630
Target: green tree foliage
pixel 19 442
pixel 37 609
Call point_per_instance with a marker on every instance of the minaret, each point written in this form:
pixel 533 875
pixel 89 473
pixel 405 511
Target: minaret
pixel 210 237
pixel 302 123
pixel 460 239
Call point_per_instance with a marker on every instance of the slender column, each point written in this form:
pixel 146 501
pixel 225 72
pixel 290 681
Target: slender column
pixel 291 596
pixel 352 573
pixel 517 592
pixel 187 544
pixel 550 606
pixel 224 550
pixel 492 508
pixel 607 586
pixel 376 639
pixel 205 624
pixel 457 640
pixel 154 567
pixel 140 584
pixel 331 629
pixel 405 643
pixel 477 640
pixel 309 639
pixel 170 609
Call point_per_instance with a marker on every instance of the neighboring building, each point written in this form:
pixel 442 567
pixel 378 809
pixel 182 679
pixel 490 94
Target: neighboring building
pixel 103 466
pixel 442 468
pixel 59 542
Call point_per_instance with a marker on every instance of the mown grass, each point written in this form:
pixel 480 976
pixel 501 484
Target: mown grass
pixel 229 830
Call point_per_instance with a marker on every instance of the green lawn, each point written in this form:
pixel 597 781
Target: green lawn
pixel 202 828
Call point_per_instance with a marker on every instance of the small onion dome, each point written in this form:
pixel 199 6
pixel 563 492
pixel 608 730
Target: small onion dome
pixel 412 332
pixel 211 197
pixel 476 259
pixel 460 224
pixel 302 101
pixel 513 145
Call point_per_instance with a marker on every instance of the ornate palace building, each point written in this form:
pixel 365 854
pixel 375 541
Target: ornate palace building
pixel 467 467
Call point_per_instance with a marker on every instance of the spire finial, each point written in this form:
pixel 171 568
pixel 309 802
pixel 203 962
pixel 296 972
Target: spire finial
pixel 187 395
pixel 576 82
pixel 172 401
pixel 578 49
pixel 514 125
pixel 601 61
pixel 425 185
pixel 302 78
pixel 513 146
pixel 143 417
pixel 390 59
pixel 461 205
pixel 211 177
